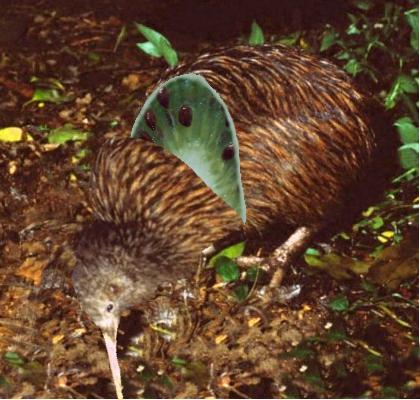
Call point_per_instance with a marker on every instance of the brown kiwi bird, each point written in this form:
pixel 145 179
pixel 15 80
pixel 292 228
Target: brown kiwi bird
pixel 308 146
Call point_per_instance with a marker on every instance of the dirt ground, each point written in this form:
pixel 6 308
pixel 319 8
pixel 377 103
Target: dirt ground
pixel 346 326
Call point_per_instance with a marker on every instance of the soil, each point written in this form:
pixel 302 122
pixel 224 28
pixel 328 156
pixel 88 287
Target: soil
pixel 340 330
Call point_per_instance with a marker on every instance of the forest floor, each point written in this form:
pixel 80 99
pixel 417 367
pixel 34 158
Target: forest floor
pixel 345 323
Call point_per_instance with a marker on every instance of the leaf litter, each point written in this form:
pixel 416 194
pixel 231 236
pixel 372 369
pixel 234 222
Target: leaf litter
pixel 344 322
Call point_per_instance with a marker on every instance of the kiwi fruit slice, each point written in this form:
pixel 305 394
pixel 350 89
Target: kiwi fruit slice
pixel 187 117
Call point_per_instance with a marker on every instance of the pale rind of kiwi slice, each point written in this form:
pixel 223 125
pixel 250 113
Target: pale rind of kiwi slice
pixel 187 117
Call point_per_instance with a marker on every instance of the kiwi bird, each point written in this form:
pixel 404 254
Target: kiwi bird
pixel 306 144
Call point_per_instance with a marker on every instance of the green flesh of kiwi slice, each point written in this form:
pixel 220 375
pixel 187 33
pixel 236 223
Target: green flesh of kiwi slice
pixel 187 117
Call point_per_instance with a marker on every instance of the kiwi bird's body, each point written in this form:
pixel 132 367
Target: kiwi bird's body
pixel 305 146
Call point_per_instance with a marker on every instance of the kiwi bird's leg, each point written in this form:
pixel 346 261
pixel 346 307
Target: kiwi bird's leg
pixel 289 250
pixel 218 245
pixel 110 337
pixel 283 255
pixel 225 241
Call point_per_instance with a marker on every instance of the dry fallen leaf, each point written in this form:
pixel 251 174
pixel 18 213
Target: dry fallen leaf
pixel 253 321
pixel 221 338
pixel 394 264
pixel 57 339
pixel 132 82
pixel 32 269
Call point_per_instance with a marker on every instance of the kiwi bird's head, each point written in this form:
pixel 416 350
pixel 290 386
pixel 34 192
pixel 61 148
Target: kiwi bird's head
pixel 117 267
pixel 115 270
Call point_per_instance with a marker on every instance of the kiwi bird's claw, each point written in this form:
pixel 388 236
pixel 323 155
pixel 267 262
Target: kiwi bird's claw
pixel 279 294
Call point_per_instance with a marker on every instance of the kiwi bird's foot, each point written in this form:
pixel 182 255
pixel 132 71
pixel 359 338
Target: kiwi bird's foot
pixel 269 264
pixel 282 294
pixel 282 257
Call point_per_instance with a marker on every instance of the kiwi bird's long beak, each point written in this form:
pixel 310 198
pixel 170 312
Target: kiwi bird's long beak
pixel 110 337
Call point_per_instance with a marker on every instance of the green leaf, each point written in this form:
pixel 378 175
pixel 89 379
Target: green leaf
pixel 409 133
pixel 313 260
pixel 402 84
pixel 373 364
pixel 4 381
pixel 339 303
pixel 52 83
pixel 146 375
pixel 377 223
pixel 94 57
pixel 343 55
pixel 329 38
pixel 368 287
pixel 150 34
pixel 312 252
pixel 412 17
pixel 353 30
pixel 178 361
pixel 364 5
pixel 65 134
pixel 256 37
pixel 290 40
pixel 241 292
pixel 389 392
pixel 160 45
pixel 169 54
pixel 227 269
pixel 408 84
pixel 300 351
pixel 353 18
pixel 353 67
pixel 336 336
pixel 315 380
pixel 409 155
pixel 150 49
pixel 13 358
pixel 48 95
pixel 252 274
pixel 166 381
pixel 232 252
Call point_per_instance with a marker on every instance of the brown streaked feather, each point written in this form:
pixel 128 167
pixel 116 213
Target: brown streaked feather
pixel 304 141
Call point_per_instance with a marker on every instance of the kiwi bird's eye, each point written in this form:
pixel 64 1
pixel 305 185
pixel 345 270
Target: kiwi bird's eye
pixel 109 307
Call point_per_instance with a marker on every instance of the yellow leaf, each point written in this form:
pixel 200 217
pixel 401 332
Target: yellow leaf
pixel 253 321
pixel 57 339
pixel 368 212
pixel 11 134
pixel 303 310
pixel 219 339
pixel 62 381
pixel 303 43
pixel 78 332
pixel 12 167
pixel 382 239
pixel 388 234
pixel 49 146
